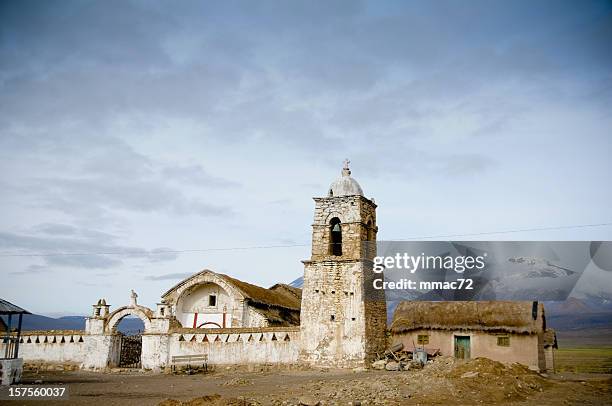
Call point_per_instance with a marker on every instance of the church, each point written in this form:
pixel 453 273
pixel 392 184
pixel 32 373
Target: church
pixel 337 319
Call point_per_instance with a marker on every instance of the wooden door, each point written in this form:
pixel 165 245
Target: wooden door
pixel 462 347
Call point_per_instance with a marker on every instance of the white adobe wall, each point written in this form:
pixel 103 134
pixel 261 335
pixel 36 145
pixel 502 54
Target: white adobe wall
pixel 65 348
pixel 155 349
pixel 254 319
pixel 223 346
pixel 235 348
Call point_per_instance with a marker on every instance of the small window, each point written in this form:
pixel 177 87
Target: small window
pixel 503 341
pixel 335 243
pixel 332 318
pixel 212 300
pixel 423 339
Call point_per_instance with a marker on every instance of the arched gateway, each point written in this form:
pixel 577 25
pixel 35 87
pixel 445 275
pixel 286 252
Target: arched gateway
pixel 143 313
pixel 126 347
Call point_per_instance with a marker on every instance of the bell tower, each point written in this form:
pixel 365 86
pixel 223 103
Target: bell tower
pixel 343 319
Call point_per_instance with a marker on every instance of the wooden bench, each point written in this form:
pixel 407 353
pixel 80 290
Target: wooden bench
pixel 189 359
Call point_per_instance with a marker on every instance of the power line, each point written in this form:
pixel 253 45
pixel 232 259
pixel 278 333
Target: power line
pixel 148 253
pixel 507 231
pixel 141 253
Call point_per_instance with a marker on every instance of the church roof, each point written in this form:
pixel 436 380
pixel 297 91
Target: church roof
pixel 292 291
pixel 271 297
pixel 253 293
pixel 345 185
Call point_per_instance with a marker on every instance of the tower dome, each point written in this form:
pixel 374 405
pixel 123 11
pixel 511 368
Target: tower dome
pixel 345 185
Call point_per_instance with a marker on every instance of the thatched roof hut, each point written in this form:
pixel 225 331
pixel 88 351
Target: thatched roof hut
pixel 506 316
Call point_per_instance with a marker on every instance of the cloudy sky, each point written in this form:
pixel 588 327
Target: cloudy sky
pixel 139 127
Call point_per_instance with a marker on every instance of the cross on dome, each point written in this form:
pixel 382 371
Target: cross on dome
pixel 345 185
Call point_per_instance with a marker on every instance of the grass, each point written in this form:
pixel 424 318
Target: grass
pixel 584 360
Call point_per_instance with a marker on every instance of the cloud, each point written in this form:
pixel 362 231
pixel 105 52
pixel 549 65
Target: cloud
pixel 467 164
pixel 196 175
pixel 81 248
pixel 142 124
pixel 105 174
pixel 84 261
pixel 56 229
pixel 169 276
pixel 32 270
pixel 142 195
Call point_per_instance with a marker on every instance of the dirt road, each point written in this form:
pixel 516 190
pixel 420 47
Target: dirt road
pixel 479 381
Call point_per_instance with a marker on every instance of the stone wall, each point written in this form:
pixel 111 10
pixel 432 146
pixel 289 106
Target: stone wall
pixel 340 326
pixel 354 213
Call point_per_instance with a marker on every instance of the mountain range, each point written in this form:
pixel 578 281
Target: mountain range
pixel 38 322
pixel 584 319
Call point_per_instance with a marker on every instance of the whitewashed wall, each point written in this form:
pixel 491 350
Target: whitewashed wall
pixel 223 346
pixel 84 350
pixel 240 348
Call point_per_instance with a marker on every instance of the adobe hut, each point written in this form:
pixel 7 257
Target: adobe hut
pixel 503 331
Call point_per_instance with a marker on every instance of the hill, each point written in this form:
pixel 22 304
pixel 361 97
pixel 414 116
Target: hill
pixel 38 322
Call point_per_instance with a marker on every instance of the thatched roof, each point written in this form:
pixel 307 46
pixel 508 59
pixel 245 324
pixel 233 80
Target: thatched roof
pixel 550 338
pixel 269 297
pixel 288 290
pixel 506 316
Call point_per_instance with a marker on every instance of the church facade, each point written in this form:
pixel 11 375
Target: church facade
pixel 334 320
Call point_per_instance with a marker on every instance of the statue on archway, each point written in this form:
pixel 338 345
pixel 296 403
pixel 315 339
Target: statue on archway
pixel 133 298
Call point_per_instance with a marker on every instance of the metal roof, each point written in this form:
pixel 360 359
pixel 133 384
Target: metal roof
pixel 9 308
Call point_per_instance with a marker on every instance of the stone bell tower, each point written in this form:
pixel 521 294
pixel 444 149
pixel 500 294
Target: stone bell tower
pixel 343 319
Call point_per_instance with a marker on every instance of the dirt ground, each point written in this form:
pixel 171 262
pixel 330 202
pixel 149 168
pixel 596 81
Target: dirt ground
pixel 445 381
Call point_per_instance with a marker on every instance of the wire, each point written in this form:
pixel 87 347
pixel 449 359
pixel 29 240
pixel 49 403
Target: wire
pixel 256 247
pixel 507 231
pixel 147 253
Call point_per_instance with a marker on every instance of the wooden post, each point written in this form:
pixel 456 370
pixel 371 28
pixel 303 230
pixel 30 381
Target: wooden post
pixel 8 336
pixel 18 336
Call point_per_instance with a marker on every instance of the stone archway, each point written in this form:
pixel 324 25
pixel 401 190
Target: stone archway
pixel 143 313
pixel 127 350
